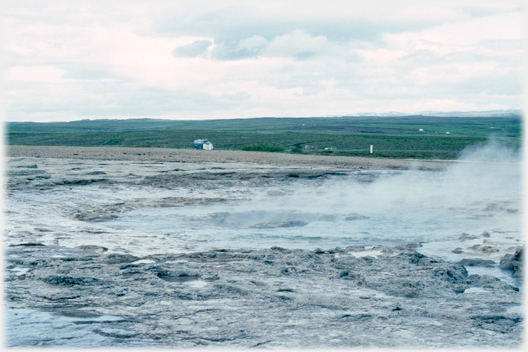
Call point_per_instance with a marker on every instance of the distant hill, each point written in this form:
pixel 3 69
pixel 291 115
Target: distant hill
pixel 490 113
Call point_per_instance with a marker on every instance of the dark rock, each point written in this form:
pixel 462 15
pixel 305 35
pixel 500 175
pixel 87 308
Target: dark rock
pixel 499 323
pixel 26 173
pixel 366 260
pixel 481 280
pixel 413 257
pixel 355 248
pixel 490 282
pixel 92 248
pixel 27 245
pixel 347 275
pixel 476 262
pixel 120 258
pixel 356 317
pixel 506 262
pixel 212 278
pixel 73 313
pixel 451 273
pixel 459 288
pixel 69 281
pixel 280 249
pixel 414 245
pixel 288 271
pixel 466 236
pixel 81 182
pixel 484 249
pixel 178 277
pixel 513 262
pixel 426 261
pixel 488 249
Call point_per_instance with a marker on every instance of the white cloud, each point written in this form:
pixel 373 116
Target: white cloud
pixel 47 74
pixel 461 35
pixel 294 44
pixel 254 59
pixel 381 56
pixel 252 44
pixel 472 31
pixel 195 49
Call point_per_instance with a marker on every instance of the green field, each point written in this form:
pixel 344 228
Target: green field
pixel 396 137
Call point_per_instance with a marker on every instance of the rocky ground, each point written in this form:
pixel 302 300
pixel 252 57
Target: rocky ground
pixel 349 297
pixel 356 296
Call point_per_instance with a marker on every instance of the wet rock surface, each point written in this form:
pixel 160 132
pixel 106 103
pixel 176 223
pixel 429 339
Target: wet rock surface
pixel 378 297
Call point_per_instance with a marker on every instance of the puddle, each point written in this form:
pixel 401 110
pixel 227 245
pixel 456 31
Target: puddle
pixel 143 261
pixel 476 290
pixel 20 271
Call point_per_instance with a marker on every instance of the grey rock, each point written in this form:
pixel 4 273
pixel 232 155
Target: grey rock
pixel 93 248
pixel 476 262
pixel 27 245
pixel 513 262
pixel 466 236
pixel 58 280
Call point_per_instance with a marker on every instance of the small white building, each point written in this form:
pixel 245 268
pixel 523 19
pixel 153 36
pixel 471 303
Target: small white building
pixel 203 144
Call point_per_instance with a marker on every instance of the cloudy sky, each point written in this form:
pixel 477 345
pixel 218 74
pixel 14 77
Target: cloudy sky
pixel 227 59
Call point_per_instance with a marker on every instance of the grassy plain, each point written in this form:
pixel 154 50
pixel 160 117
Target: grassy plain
pixel 395 137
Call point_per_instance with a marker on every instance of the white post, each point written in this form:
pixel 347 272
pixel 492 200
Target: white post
pixel 371 148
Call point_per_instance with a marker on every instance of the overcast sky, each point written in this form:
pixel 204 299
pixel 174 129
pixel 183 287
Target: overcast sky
pixel 228 59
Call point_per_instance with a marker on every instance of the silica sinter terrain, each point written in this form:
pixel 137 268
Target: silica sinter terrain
pixel 106 253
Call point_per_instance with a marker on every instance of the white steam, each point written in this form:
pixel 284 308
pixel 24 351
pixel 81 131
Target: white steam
pixel 489 173
pixel 479 192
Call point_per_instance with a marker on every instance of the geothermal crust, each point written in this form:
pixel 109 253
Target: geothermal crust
pixel 95 296
pixel 380 297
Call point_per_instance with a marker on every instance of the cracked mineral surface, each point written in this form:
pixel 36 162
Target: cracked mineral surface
pixel 139 253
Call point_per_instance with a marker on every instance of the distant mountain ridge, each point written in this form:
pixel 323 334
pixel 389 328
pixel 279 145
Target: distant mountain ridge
pixel 488 113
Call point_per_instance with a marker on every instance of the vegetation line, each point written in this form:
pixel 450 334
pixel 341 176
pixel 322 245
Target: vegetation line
pixel 402 137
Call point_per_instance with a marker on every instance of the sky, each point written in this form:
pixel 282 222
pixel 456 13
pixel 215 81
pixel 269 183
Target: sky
pixel 219 59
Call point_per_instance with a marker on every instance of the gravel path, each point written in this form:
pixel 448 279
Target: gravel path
pixel 220 156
